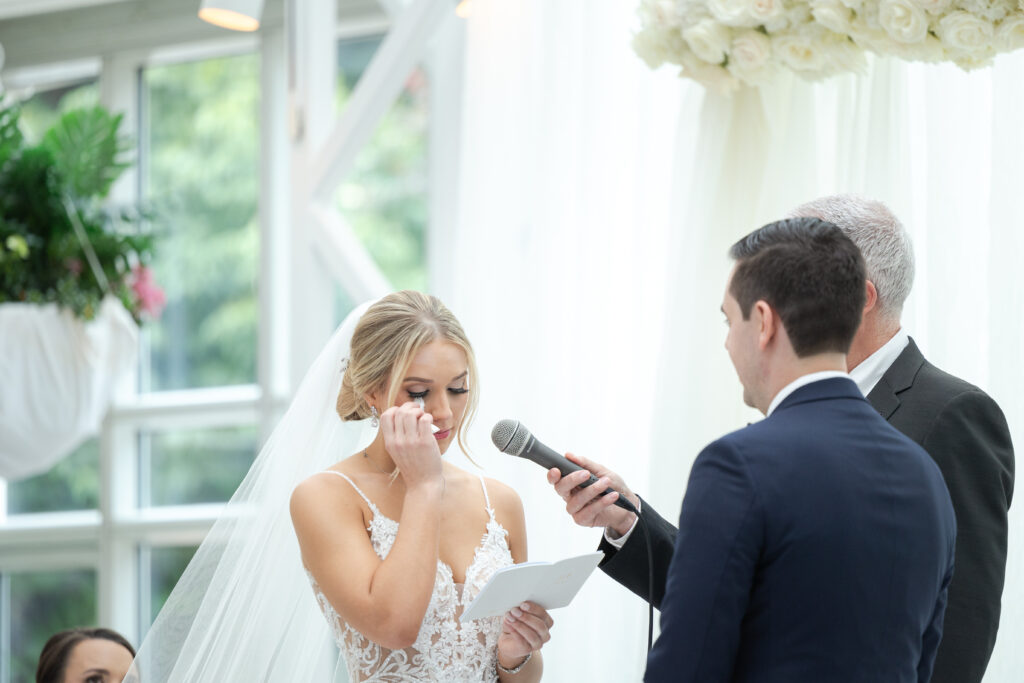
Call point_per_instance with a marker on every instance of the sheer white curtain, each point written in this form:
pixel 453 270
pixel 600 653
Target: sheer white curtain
pixel 556 265
pixel 596 203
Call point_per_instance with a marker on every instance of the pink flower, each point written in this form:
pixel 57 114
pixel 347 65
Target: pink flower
pixel 151 297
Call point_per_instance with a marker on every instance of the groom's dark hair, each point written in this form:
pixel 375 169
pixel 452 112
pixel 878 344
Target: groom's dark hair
pixel 811 274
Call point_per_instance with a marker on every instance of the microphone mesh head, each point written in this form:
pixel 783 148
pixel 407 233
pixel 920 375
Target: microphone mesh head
pixel 510 436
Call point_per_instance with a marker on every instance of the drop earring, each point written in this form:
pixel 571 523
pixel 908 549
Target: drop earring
pixel 374 417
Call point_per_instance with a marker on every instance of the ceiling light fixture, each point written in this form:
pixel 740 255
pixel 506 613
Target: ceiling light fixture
pixel 237 15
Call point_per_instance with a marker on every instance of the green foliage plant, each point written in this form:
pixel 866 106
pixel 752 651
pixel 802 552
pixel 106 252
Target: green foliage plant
pixel 52 214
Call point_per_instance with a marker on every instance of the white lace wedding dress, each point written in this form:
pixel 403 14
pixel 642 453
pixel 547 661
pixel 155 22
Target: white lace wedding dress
pixel 445 650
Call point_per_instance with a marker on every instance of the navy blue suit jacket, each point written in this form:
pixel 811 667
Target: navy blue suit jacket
pixel 815 546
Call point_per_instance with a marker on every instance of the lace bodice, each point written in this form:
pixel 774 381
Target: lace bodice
pixel 445 650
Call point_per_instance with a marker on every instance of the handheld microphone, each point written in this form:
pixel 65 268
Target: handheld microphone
pixel 511 437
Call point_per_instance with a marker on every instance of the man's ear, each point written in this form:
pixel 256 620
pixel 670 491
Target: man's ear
pixel 872 296
pixel 767 321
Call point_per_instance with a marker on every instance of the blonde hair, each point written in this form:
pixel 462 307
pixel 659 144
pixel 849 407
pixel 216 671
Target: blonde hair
pixel 384 342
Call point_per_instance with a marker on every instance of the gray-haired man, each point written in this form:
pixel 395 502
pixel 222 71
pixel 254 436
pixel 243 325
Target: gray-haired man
pixel 957 423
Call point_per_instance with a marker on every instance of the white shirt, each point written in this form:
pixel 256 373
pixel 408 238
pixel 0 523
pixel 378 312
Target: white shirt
pixel 871 369
pixel 801 381
pixel 779 398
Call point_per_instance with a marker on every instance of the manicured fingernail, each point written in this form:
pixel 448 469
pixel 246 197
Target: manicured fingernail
pixel 525 607
pixel 509 618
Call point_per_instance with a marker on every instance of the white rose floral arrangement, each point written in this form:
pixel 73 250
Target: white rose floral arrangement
pixel 726 43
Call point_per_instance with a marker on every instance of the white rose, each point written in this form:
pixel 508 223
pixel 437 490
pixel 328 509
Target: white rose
pixel 1010 34
pixel 666 13
pixel 930 49
pixel 903 21
pixel 933 6
pixel 657 45
pixel 963 31
pixel 750 57
pixel 969 62
pixel 832 14
pixel 989 10
pixel 750 50
pixel 841 55
pixel 869 34
pixel 800 51
pixel 709 40
pixel 732 12
pixel 712 76
pixel 794 17
pixel 767 11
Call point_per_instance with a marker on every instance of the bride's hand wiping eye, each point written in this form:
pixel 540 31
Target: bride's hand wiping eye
pixel 411 444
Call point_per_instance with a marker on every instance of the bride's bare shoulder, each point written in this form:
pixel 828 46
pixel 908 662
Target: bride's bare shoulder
pixel 325 490
pixel 504 499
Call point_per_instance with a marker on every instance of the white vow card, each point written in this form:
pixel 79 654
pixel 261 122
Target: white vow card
pixel 548 584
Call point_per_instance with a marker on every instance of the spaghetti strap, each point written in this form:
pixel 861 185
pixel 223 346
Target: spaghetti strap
pixel 487 499
pixel 361 494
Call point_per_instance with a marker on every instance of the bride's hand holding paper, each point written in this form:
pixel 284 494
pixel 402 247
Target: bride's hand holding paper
pixel 524 629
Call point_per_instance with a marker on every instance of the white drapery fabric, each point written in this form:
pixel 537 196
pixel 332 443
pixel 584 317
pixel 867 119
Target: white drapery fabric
pixel 596 204
pixel 566 164
pixel 57 376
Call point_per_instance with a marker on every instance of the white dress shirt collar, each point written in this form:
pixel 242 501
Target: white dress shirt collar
pixel 871 369
pixel 799 382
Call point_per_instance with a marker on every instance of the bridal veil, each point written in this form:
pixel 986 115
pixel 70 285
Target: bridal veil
pixel 243 610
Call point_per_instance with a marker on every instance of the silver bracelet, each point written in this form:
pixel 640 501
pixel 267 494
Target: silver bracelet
pixel 516 669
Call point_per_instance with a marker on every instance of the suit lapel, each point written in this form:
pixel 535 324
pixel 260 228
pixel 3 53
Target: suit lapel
pixel 898 378
pixel 884 399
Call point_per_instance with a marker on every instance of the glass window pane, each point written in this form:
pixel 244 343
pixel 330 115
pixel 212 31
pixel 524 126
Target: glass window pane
pixel 42 603
pixel 165 567
pixel 71 484
pixel 384 198
pixel 196 465
pixel 200 152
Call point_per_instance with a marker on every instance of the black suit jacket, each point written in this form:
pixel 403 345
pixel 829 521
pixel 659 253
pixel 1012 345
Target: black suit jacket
pixel 965 432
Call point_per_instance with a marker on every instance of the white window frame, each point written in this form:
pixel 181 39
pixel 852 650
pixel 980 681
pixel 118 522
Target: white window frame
pixel 296 135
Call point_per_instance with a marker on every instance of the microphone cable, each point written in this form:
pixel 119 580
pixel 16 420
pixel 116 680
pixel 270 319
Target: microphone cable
pixel 650 581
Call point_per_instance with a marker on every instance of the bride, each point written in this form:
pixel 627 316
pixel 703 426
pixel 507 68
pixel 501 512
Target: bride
pixel 398 541
pixel 381 551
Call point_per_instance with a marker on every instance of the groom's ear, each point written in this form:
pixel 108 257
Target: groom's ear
pixel 767 322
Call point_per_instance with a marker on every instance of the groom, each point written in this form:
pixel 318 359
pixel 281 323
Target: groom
pixel 817 544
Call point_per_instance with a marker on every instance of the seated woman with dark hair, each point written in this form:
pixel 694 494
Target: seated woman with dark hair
pixel 85 655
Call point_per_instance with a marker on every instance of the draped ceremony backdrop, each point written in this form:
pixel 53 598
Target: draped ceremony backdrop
pixel 595 205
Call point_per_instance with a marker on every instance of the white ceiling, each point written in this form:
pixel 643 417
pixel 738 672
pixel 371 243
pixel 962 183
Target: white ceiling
pixel 22 8
pixel 67 30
